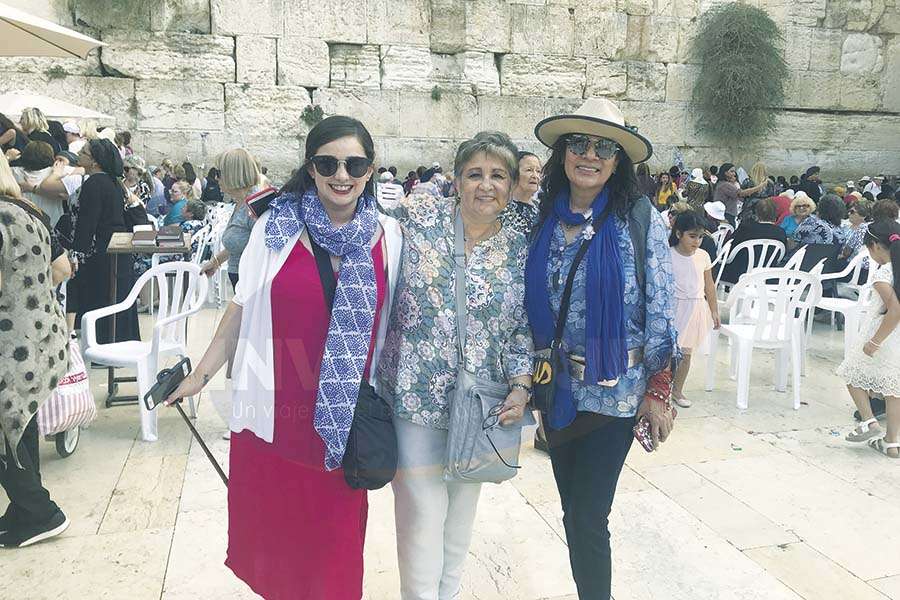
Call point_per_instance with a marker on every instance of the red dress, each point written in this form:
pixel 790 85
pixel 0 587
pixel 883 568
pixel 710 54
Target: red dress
pixel 296 530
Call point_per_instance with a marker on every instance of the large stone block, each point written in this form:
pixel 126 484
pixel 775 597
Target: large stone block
pixel 515 116
pixel 110 95
pixel 890 20
pixel 488 25
pixel 600 34
pixel 680 82
pixel 303 61
pixel 660 122
pixel 826 47
pixel 636 7
pixel 252 17
pixel 448 26
pixel 687 31
pixel 890 76
pixel 52 10
pixel 52 67
pixel 266 108
pixel 646 81
pixel 113 14
pixel 861 53
pixel 407 67
pixel 339 21
pixel 378 110
pixel 391 22
pixel 256 59
pixel 661 44
pixel 170 55
pixel 279 155
pixel 806 12
pixel 355 66
pixel 198 147
pixel 605 78
pixel 453 116
pixel 180 15
pixel 684 9
pixel 479 70
pixel 861 92
pixel 538 29
pixel 186 105
pixel 538 75
pixel 798 47
pixel 808 89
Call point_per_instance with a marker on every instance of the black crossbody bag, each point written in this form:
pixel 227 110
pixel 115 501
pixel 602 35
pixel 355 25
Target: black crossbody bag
pixel 548 362
pixel 370 459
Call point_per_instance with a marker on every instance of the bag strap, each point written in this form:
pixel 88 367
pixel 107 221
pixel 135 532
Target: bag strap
pixel 326 272
pixel 459 263
pixel 570 279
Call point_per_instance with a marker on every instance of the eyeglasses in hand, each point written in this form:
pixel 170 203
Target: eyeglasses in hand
pixel 490 421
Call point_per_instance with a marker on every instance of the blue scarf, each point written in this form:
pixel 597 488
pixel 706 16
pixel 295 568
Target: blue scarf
pixel 353 313
pixel 605 344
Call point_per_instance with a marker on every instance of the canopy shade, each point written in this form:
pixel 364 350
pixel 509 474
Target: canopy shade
pixel 11 105
pixel 22 34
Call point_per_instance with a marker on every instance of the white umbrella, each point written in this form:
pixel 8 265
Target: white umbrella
pixel 22 34
pixel 11 105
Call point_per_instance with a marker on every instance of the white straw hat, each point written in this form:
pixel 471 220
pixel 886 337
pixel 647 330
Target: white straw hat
pixel 715 209
pixel 600 117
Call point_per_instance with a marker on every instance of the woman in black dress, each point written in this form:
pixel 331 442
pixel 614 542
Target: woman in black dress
pixel 100 213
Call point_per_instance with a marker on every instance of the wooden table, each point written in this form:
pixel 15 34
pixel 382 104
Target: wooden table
pixel 120 243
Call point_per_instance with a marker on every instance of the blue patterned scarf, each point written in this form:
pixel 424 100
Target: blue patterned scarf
pixel 353 313
pixel 606 351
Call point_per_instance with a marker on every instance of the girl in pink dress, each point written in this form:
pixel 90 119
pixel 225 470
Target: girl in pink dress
pixel 696 308
pixel 296 529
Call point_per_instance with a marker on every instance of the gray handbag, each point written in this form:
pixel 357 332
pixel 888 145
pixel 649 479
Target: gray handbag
pixel 479 449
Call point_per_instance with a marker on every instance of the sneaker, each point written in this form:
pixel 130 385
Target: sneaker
pixel 27 536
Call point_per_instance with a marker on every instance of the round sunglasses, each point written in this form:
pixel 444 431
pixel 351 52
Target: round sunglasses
pixel 603 148
pixel 326 166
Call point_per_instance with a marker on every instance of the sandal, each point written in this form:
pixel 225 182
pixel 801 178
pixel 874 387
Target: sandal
pixel 882 446
pixel 865 432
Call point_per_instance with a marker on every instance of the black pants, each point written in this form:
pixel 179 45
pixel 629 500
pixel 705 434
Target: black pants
pixel 30 503
pixel 587 457
pixel 233 278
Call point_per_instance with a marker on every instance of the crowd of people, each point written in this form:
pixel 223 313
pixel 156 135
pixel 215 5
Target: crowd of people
pixel 490 272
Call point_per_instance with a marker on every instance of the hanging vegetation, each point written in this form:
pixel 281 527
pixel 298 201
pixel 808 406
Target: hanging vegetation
pixel 742 73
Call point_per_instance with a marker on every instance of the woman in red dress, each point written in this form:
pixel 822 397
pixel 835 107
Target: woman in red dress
pixel 295 528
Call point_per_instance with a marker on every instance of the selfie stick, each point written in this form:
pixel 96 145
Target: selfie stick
pixel 209 455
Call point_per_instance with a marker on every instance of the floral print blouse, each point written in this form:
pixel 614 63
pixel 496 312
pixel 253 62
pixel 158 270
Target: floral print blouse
pixel 417 367
pixel 519 216
pixel 649 317
pixel 814 230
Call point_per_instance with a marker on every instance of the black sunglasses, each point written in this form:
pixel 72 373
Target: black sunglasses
pixel 326 165
pixel 490 421
pixel 603 148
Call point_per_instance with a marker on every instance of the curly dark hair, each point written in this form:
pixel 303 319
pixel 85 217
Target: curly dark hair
pixel 831 209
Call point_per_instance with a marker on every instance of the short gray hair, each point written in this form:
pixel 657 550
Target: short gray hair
pixel 492 143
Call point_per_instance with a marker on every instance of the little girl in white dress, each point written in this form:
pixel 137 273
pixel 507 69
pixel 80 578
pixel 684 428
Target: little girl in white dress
pixel 696 308
pixel 873 363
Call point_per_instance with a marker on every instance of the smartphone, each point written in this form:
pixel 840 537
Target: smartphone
pixel 258 203
pixel 643 434
pixel 166 382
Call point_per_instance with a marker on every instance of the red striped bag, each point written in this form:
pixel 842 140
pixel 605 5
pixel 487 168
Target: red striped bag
pixel 71 404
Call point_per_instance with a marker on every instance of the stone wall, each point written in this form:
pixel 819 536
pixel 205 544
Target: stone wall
pixel 192 77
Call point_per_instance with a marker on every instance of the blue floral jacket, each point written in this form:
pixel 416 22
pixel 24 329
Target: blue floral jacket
pixel 649 318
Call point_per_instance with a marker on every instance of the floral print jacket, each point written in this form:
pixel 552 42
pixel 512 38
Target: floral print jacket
pixel 417 368
pixel 649 317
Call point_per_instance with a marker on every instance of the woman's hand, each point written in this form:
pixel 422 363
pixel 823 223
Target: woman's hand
pixel 12 154
pixel 870 348
pixel 190 386
pixel 661 420
pixel 513 407
pixel 717 321
pixel 209 268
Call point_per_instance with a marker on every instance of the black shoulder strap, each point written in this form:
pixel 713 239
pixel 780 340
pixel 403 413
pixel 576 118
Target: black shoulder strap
pixel 326 272
pixel 570 279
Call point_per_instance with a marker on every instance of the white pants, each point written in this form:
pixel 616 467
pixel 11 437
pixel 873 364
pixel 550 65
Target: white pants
pixel 434 517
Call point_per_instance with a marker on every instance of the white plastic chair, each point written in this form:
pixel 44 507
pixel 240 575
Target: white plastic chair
pixel 188 293
pixel 761 254
pixel 718 236
pixel 774 304
pixel 850 308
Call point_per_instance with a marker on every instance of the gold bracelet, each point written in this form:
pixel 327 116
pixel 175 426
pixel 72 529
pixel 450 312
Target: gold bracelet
pixel 874 343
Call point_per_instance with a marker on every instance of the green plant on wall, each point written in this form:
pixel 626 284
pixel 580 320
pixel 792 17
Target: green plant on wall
pixel 312 114
pixel 742 72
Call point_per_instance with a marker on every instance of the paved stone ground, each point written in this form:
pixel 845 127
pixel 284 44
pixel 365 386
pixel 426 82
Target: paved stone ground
pixel 765 504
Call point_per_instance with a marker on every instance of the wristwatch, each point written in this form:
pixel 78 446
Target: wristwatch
pixel 528 391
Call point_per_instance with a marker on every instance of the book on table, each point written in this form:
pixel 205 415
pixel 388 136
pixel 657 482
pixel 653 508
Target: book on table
pixel 144 238
pixel 170 233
